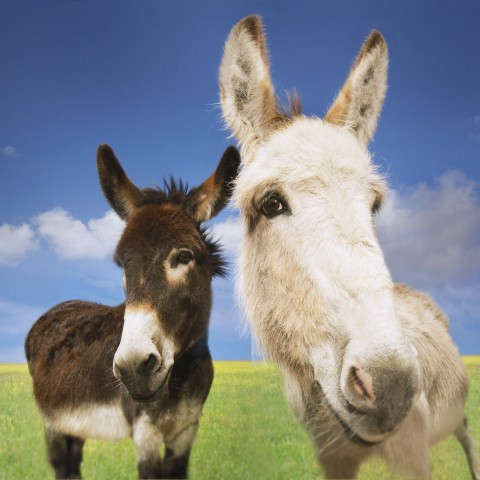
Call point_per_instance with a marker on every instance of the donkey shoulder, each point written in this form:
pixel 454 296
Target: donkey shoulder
pixel 427 328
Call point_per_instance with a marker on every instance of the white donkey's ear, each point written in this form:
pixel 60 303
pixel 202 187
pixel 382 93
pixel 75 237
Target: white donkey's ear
pixel 247 95
pixel 360 100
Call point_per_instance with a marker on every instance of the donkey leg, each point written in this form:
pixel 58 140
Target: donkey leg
pixel 340 466
pixel 64 454
pixel 469 445
pixel 177 452
pixel 150 467
pixel 147 439
pixel 75 456
pixel 57 450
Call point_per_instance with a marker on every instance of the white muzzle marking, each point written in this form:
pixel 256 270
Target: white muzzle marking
pixel 142 336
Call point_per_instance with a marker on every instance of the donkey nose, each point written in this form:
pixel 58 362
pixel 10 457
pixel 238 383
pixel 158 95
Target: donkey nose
pixel 360 384
pixel 137 373
pixel 384 388
pixel 375 386
pixel 139 367
pixel 150 365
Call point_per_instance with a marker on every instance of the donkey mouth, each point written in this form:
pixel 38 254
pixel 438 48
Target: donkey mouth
pixel 349 432
pixel 351 435
pixel 157 394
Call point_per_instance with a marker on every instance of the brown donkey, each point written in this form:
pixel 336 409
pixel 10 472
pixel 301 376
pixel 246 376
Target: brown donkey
pixel 141 369
pixel 370 366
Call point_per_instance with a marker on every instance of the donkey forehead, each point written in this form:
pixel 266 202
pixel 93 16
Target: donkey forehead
pixel 163 226
pixel 308 150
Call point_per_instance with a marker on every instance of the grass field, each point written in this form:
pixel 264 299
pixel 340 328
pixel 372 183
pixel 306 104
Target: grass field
pixel 247 432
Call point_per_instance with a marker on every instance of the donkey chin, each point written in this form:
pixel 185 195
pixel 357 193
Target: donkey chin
pixel 370 394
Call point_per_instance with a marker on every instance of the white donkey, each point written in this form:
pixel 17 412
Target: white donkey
pixel 370 367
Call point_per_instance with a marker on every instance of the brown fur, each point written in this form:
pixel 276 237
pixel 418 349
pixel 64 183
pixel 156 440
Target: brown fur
pixel 72 348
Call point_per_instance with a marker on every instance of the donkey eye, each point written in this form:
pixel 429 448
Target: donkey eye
pixel 272 206
pixel 184 257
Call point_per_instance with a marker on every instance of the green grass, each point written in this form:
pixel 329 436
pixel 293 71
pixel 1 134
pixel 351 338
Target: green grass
pixel 247 431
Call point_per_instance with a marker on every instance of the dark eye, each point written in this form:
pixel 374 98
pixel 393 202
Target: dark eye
pixel 272 206
pixel 184 257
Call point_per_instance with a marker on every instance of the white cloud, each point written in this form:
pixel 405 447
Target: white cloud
pixel 16 243
pixel 431 235
pixel 9 151
pixel 229 233
pixel 73 240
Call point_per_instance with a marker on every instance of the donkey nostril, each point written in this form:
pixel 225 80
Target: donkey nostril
pixel 151 365
pixel 362 383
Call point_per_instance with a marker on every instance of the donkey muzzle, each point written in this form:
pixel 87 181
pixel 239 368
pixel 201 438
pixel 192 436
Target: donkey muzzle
pixel 380 391
pixel 142 376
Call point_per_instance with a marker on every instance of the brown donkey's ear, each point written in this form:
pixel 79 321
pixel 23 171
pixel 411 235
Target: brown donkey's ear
pixel 207 200
pixel 121 193
pixel 360 100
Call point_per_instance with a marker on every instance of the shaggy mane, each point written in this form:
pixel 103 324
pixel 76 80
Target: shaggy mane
pixel 219 264
pixel 294 107
pixel 287 113
pixel 173 191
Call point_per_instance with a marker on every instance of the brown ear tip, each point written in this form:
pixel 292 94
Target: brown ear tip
pixel 375 38
pixel 231 157
pixel 253 25
pixel 104 150
pixel 232 151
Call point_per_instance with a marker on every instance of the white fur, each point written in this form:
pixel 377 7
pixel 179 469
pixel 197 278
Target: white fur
pixel 147 437
pixel 329 193
pixel 142 336
pixel 106 422
pixel 176 428
pixel 141 332
pixel 184 426
pixel 314 282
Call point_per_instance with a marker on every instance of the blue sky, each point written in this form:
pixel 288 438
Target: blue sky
pixel 142 76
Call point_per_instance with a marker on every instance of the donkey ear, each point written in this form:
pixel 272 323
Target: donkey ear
pixel 247 95
pixel 207 200
pixel 121 193
pixel 360 100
